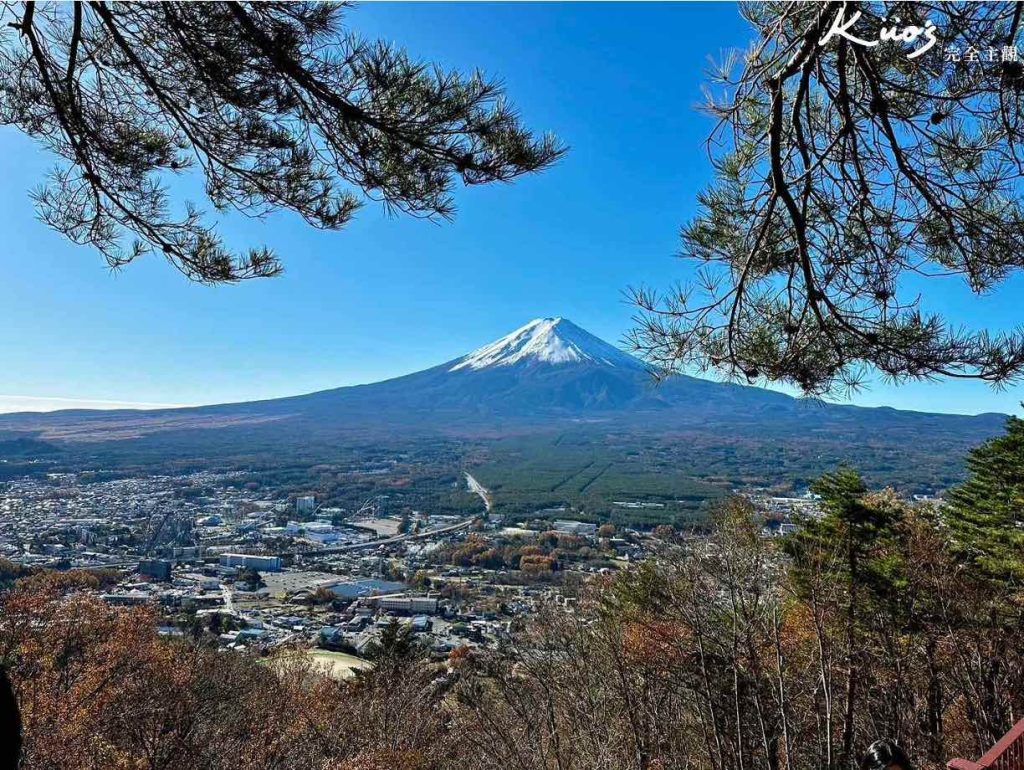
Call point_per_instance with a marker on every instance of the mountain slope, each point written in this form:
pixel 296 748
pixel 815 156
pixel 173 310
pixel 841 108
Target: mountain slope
pixel 546 373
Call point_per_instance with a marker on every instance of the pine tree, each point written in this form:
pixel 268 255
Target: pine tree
pixel 845 555
pixel 844 174
pixel 986 513
pixel 396 643
pixel 278 104
pixel 849 542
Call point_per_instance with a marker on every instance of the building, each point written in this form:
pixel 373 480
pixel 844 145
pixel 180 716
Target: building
pixel 202 582
pixel 247 635
pixel 329 514
pixel 331 636
pixel 356 589
pixel 571 527
pixel 125 598
pixel 251 561
pixel 321 532
pixel 414 605
pixel 305 504
pixel 158 569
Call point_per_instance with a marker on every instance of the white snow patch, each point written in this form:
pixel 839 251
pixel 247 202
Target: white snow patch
pixel 550 341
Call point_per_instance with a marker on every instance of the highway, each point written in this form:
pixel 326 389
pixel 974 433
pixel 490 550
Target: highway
pixel 474 486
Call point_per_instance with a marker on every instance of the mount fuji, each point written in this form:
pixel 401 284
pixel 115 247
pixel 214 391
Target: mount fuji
pixel 547 341
pixel 548 376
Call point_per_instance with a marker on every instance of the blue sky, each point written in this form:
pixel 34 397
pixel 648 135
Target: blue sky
pixel 617 82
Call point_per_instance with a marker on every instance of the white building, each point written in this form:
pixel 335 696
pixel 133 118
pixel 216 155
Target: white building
pixel 202 582
pixel 305 504
pixel 251 561
pixel 418 605
pixel 571 527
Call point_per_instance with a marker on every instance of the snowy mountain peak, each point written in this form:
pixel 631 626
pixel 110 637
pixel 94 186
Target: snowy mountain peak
pixel 552 341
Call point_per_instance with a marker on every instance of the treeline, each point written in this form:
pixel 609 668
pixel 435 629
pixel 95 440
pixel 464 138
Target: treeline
pixel 731 652
pixel 11 572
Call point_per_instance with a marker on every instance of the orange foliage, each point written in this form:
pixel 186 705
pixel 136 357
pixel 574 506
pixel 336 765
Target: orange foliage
pixel 653 641
pixel 99 688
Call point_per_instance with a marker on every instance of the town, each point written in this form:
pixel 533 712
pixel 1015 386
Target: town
pixel 292 574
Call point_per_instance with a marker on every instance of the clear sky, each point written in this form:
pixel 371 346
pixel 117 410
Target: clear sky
pixel 618 82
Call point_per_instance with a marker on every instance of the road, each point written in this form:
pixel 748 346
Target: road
pixel 477 488
pixel 386 541
pixel 474 486
pixel 229 604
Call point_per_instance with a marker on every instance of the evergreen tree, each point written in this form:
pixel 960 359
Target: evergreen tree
pixel 277 104
pixel 985 514
pixel 395 645
pixel 849 541
pixel 844 174
pixel 842 560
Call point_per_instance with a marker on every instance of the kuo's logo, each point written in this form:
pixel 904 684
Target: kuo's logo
pixel 894 34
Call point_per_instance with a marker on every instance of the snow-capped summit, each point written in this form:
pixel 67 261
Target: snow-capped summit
pixel 553 341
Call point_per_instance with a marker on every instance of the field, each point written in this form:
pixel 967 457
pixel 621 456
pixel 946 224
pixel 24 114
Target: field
pixel 338 665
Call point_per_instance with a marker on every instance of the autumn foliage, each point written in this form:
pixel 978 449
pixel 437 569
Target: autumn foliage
pixel 99 688
pixel 734 652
